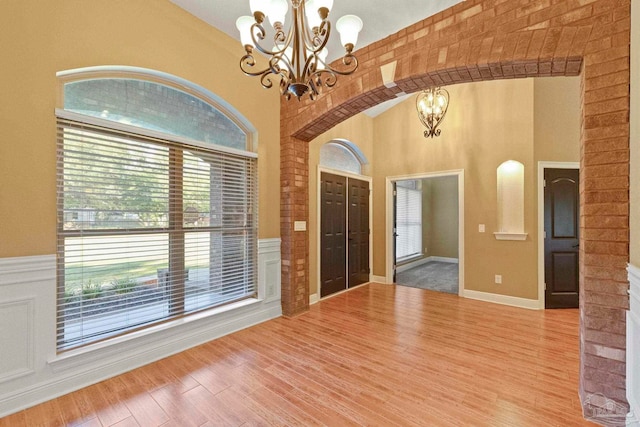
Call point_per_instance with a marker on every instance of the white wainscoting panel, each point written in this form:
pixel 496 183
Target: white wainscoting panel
pixel 269 268
pixel 32 372
pixel 16 338
pixel 633 346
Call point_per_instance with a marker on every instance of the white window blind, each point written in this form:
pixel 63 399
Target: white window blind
pixel 149 229
pixel 408 222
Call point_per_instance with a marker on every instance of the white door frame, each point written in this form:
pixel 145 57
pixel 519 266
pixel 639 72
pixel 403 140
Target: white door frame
pixel 459 173
pixel 319 222
pixel 542 165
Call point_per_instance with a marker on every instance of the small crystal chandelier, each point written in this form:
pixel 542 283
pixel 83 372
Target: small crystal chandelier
pixel 432 105
pixel 298 56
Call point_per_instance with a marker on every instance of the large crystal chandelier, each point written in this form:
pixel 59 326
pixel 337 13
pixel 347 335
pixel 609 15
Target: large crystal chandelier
pixel 297 56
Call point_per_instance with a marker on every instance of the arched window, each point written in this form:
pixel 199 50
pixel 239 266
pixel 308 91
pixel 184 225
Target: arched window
pixel 157 203
pixel 342 155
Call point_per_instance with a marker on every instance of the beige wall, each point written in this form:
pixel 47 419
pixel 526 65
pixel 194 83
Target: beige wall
pixel 634 179
pixel 443 229
pixel 556 103
pixel 39 38
pixel 487 123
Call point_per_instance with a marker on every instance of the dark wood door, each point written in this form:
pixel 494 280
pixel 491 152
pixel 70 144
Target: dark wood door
pixel 561 243
pixel 333 228
pixel 358 214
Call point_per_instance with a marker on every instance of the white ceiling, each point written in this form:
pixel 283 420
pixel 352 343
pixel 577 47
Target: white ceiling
pixel 381 18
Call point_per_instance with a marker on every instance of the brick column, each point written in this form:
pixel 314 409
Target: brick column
pixel 604 199
pixel 294 206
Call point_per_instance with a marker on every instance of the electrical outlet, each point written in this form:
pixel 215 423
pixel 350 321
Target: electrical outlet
pixel 498 279
pixel 481 228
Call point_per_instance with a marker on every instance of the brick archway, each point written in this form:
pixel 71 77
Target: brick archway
pixel 485 40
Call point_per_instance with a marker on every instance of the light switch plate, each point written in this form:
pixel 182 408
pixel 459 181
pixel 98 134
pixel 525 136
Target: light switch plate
pixel 300 226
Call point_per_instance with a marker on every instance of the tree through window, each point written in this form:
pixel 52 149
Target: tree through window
pixel 157 208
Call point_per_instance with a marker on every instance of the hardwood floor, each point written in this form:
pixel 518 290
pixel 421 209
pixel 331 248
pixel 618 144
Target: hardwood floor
pixel 377 355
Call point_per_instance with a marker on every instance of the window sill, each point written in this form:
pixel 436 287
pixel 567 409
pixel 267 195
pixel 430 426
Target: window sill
pixel 113 346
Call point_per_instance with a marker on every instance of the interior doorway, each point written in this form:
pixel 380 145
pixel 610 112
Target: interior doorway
pixel 562 237
pixel 558 234
pixel 425 231
pixel 344 232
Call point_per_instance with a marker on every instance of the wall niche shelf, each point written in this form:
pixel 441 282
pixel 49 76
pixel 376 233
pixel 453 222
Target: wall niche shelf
pixel 500 235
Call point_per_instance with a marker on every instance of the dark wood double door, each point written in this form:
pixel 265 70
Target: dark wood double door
pixel 344 233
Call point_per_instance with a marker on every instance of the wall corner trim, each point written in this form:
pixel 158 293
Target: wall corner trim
pixel 388 72
pixel 633 347
pixel 313 299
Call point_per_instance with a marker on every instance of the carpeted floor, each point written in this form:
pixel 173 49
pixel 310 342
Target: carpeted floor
pixel 435 275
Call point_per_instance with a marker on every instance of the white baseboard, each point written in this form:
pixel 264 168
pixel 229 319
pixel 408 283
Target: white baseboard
pixel 313 298
pixel 444 259
pixel 421 261
pixel 412 264
pixel 379 279
pixel 531 304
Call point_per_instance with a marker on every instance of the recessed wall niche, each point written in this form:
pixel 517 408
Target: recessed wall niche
pixel 510 201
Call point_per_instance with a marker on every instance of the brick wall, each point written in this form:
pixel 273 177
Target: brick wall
pixel 499 39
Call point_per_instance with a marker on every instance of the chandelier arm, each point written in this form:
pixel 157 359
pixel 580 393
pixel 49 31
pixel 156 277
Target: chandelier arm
pixel 284 85
pixel 275 65
pixel 314 89
pixel 258 34
pixel 321 38
pixel 348 60
pixel 310 66
pixel 265 80
pixel 324 33
pixel 325 76
pixel 315 39
pixel 247 62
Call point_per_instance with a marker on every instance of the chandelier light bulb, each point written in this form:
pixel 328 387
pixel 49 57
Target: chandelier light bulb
pixel 349 26
pixel 258 6
pixel 311 11
pixel 276 11
pixel 243 24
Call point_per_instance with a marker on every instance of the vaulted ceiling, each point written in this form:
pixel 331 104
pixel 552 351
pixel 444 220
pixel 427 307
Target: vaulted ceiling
pixel 381 19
